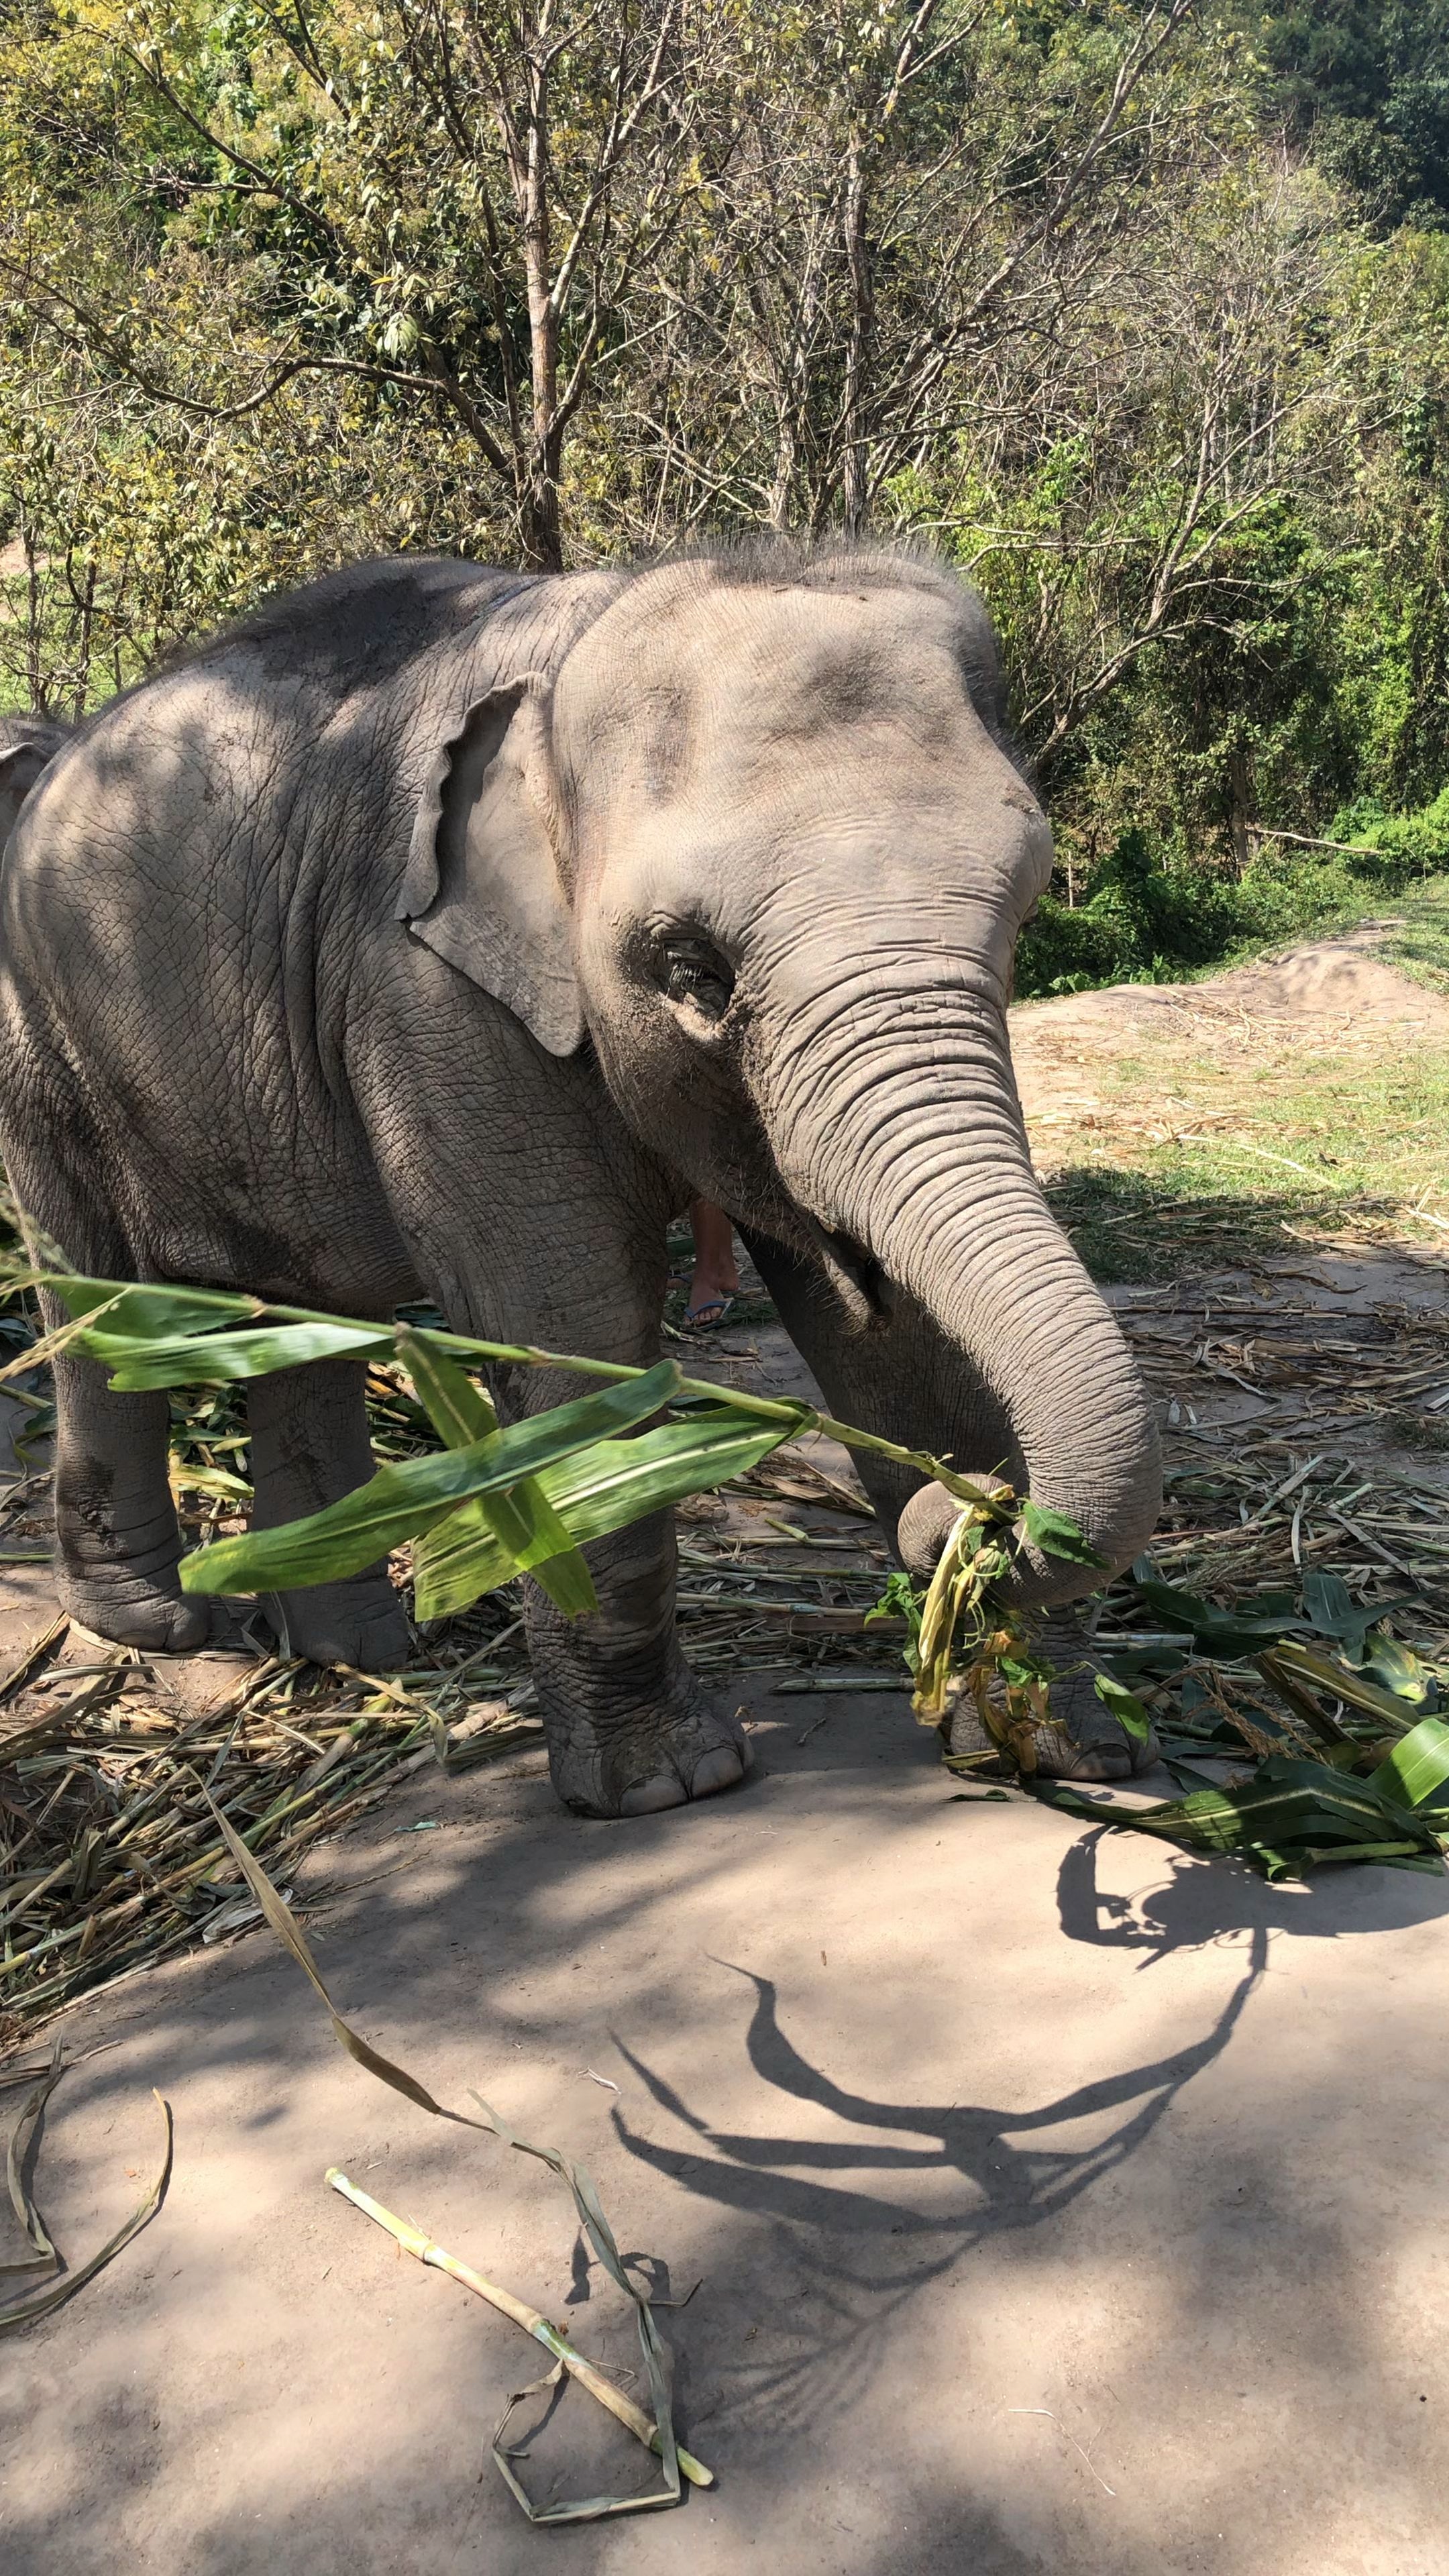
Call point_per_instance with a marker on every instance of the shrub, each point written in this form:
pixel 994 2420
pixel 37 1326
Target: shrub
pixel 1143 921
pixel 1151 916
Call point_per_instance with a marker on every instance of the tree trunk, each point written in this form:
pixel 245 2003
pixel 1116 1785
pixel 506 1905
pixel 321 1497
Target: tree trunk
pixel 855 480
pixel 539 515
pixel 1240 789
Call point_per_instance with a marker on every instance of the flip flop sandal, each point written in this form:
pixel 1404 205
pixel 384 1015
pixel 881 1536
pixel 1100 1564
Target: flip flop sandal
pixel 707 1318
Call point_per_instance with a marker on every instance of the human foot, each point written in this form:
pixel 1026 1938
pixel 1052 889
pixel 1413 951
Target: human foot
pixel 705 1314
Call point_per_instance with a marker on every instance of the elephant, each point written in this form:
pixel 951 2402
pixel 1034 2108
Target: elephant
pixel 28 744
pixel 438 932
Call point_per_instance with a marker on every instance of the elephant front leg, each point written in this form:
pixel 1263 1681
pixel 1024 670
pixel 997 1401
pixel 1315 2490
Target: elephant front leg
pixel 566 1250
pixel 627 1726
pixel 628 1729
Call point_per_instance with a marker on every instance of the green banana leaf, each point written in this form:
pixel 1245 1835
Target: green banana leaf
pixel 522 1519
pixel 1124 1704
pixel 459 1411
pixel 1227 1635
pixel 1331 1609
pixel 1334 1680
pixel 143 1313
pixel 1387 1660
pixel 597 1490
pixel 401 1501
pixel 1288 1818
pixel 215 1359
pixel 1055 1533
pixel 1417 1767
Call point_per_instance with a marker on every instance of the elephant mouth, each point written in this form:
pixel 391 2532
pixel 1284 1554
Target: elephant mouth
pixel 855 1274
pixel 860 1285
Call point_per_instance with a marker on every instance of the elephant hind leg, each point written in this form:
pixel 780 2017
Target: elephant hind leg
pixel 116 1533
pixel 117 1541
pixel 310 1446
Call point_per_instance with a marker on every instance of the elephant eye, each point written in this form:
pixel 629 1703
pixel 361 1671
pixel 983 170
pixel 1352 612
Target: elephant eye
pixel 691 970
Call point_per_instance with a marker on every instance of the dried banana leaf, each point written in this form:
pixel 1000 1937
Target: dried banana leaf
pixel 586 2200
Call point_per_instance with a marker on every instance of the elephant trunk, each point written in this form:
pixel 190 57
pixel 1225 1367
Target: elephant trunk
pixel 907 1140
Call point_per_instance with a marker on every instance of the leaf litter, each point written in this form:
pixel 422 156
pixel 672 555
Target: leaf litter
pixel 29 2306
pixel 656 2431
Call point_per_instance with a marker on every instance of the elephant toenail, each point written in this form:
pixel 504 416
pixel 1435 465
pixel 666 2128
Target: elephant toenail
pixel 1104 1766
pixel 719 1770
pixel 649 1796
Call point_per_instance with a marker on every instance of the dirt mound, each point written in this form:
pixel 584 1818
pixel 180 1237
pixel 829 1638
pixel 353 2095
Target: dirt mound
pixel 1328 992
pixel 1195 1125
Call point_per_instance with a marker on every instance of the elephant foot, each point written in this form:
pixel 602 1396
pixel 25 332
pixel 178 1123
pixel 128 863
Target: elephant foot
pixel 646 1760
pixel 360 1622
pixel 1081 1740
pixel 136 1610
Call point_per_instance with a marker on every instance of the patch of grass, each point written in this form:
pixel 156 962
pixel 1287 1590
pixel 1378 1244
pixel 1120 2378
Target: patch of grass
pixel 1213 1158
pixel 1420 949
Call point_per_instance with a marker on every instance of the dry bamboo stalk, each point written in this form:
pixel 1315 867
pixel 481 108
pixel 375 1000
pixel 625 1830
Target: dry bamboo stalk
pixel 415 2240
pixel 34 1653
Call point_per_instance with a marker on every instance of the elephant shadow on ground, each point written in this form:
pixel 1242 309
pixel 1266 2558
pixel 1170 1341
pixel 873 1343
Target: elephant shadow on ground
pixel 848 2251
pixel 1202 1902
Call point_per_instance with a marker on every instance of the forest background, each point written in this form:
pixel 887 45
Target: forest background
pixel 1139 313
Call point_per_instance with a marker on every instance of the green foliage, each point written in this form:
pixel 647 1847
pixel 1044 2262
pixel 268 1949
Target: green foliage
pixel 1365 81
pixel 1149 916
pixel 1290 1817
pixel 1042 283
pixel 1140 920
pixel 495 1501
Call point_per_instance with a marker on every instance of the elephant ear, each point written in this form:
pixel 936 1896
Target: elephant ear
pixel 19 770
pixel 483 887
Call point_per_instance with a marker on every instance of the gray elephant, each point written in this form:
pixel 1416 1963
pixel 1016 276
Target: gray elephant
pixel 28 744
pixel 439 932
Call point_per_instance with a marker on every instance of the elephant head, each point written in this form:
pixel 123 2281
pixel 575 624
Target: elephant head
pixel 762 838
pixel 28 745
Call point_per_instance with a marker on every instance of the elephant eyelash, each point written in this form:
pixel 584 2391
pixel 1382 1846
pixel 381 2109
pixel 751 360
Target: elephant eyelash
pixel 691 970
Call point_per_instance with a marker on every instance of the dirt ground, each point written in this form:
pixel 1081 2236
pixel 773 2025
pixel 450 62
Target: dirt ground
pixel 1057 2201
pixel 1329 989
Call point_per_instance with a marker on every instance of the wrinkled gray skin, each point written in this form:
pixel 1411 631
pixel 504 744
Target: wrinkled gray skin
pixel 28 744
pixel 439 932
